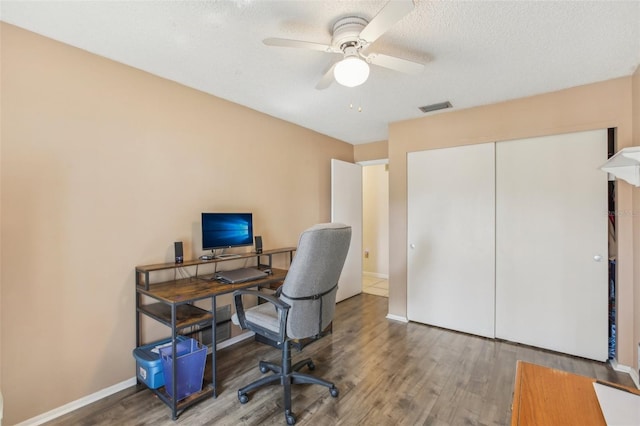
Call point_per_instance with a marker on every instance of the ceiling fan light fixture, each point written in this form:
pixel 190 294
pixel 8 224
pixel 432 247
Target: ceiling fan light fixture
pixel 351 71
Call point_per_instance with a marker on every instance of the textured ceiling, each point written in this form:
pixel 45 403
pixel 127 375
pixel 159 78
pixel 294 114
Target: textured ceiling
pixel 476 52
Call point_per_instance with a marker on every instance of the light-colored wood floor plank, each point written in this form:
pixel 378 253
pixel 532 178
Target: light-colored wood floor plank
pixel 388 373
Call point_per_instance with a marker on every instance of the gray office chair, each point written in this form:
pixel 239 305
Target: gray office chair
pixel 302 308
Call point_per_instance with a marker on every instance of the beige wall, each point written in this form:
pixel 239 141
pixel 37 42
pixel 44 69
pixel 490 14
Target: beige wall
pixel 602 105
pixel 103 168
pixel 375 220
pixel 371 151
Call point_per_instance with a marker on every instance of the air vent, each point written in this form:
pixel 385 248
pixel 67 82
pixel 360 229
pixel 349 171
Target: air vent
pixel 435 107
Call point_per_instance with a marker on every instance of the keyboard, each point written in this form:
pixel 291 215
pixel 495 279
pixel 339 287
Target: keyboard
pixel 241 275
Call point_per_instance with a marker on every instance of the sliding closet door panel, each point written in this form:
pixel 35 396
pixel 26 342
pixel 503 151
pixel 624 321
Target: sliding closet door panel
pixel 451 235
pixel 551 242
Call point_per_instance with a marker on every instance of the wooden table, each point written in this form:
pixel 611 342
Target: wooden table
pixel 546 397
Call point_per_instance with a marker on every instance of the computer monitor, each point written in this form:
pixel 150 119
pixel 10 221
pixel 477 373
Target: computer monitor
pixel 225 230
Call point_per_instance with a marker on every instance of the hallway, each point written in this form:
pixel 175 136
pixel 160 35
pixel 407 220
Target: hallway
pixel 375 285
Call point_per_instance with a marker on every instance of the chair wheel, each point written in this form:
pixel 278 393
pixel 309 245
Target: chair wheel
pixel 334 392
pixel 291 419
pixel 243 397
pixel 311 365
pixel 264 370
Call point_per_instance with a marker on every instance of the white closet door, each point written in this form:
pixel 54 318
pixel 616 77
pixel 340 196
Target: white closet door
pixel 551 241
pixel 346 207
pixel 451 236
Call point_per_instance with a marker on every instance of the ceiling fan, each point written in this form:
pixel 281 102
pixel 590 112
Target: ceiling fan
pixel 352 36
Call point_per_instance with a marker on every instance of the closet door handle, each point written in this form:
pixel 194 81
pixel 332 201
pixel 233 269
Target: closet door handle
pixel 597 258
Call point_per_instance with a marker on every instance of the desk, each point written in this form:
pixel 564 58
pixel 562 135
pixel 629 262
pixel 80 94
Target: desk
pixel 545 396
pixel 173 306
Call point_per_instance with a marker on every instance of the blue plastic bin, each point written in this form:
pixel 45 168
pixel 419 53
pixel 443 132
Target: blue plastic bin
pixel 191 358
pixel 148 364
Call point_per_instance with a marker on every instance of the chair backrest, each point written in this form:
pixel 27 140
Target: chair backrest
pixel 312 281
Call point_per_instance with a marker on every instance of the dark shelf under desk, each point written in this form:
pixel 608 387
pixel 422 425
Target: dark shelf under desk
pixel 186 315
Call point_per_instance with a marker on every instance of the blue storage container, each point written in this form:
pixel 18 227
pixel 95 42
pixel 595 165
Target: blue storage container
pixel 190 361
pixel 148 364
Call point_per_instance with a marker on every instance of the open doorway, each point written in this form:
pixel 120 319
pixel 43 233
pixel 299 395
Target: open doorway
pixel 375 227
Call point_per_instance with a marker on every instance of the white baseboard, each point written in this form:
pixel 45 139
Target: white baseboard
pixel 79 403
pixel 375 275
pixel 626 369
pixel 397 318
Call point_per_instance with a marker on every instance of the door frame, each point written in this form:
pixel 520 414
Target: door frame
pixel 368 163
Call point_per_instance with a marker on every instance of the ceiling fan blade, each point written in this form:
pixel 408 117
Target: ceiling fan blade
pixel 391 13
pixel 326 79
pixel 396 64
pixel 283 42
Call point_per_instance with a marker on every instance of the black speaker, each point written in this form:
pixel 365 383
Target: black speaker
pixel 258 244
pixel 179 254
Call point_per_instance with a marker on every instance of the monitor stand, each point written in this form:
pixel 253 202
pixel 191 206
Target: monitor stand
pixel 227 256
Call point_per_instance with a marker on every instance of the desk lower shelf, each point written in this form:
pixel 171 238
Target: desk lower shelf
pixel 186 315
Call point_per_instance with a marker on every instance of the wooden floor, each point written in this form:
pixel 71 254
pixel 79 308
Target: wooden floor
pixel 388 373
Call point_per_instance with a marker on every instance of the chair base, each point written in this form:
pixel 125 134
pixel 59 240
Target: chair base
pixel 286 375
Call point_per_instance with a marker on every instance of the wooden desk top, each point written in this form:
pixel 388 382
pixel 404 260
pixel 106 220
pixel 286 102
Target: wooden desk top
pixel 545 396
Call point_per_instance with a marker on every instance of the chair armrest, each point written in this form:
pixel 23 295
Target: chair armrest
pixel 281 307
pixel 268 297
